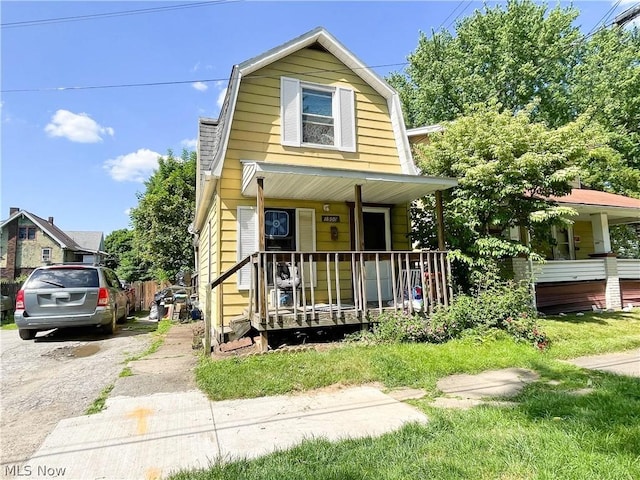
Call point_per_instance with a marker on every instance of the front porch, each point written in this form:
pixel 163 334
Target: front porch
pixel 338 288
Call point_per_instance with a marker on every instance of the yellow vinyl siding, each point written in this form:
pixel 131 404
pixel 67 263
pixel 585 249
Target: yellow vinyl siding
pixel 584 230
pixel 400 228
pixel 208 258
pixel 255 132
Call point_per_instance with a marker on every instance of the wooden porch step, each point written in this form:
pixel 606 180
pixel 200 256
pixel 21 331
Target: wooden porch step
pixel 240 325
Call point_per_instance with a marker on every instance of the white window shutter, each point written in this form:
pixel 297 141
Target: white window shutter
pixel 291 120
pixel 247 232
pixel 347 119
pixel 306 240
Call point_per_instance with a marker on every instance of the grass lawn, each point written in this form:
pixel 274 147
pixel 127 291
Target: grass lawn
pixel 551 433
pixel 413 365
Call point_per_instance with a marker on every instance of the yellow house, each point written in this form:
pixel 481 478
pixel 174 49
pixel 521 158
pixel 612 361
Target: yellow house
pixel 305 181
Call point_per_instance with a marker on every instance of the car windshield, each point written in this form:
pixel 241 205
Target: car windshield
pixel 63 278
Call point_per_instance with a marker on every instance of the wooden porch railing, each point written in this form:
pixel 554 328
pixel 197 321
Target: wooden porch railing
pixel 346 286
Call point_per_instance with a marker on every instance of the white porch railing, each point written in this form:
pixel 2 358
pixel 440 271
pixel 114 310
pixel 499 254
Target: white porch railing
pixel 569 270
pixel 629 268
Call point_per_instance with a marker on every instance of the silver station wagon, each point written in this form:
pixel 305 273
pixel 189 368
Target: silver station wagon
pixel 72 295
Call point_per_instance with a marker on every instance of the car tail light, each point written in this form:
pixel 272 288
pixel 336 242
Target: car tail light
pixel 20 300
pixel 103 297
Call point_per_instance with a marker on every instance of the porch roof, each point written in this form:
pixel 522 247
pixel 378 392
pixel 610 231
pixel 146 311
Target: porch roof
pixel 337 185
pixel 619 209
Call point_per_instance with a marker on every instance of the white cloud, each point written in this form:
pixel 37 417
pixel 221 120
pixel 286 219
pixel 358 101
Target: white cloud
pixel 199 66
pixel 77 127
pixel 127 212
pixel 189 142
pixel 221 96
pixel 132 167
pixel 200 86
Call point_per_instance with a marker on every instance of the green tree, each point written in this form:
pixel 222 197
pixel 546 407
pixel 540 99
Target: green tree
pixel 505 164
pixel 512 55
pixel 162 217
pixel 118 243
pixel 124 257
pixel 606 85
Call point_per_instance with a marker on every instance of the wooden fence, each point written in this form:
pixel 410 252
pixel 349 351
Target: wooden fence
pixel 144 293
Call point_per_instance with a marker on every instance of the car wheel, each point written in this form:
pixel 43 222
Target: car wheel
pixel 27 334
pixel 111 327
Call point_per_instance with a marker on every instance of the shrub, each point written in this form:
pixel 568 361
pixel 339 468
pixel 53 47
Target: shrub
pixel 402 327
pixel 506 306
pixel 525 329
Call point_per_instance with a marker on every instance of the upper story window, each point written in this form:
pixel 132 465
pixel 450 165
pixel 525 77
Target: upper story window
pixel 317 115
pixel 27 233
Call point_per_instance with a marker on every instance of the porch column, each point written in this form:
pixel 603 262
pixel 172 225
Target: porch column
pixel 359 221
pixel 440 220
pixel 602 247
pixel 601 238
pixel 260 213
pixel 612 294
pixel 262 291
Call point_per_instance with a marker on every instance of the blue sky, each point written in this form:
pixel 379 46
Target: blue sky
pixel 81 155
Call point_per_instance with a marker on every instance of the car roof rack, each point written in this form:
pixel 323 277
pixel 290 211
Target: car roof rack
pixel 90 264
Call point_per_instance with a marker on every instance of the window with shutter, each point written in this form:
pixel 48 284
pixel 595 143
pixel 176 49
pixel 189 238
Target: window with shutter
pixel 317 115
pixel 247 242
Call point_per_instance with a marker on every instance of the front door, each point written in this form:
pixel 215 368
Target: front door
pixel 377 237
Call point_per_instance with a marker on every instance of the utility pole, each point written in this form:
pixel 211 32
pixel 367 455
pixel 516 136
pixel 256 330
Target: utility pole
pixel 627 16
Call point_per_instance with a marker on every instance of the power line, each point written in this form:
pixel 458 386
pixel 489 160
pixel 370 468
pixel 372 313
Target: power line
pixel 602 21
pixel 452 12
pixel 627 16
pixel 452 22
pixel 123 13
pixel 182 82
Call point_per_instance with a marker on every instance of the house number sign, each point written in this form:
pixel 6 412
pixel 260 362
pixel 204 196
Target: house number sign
pixel 331 218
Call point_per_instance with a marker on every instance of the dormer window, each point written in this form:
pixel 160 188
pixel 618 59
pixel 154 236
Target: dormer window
pixel 319 116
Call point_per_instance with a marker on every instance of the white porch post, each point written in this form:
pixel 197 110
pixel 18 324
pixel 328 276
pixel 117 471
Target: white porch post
pixel 602 246
pixel 613 297
pixel 600 226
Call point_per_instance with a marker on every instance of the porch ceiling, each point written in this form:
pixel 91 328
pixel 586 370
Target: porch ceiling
pixel 337 185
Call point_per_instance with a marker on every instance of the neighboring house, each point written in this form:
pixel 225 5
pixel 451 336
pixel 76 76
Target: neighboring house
pixel 309 156
pixel 581 269
pixel 29 241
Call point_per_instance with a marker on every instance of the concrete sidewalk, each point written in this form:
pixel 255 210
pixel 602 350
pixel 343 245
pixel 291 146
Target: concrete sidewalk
pixel 150 437
pixel 157 423
pixel 625 363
